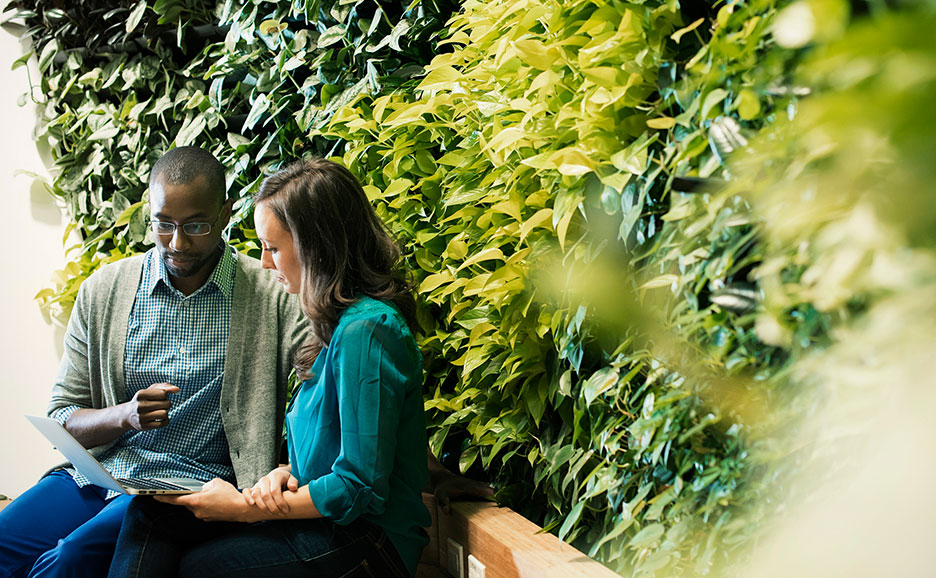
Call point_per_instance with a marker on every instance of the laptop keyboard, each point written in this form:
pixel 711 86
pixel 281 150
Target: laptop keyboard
pixel 149 484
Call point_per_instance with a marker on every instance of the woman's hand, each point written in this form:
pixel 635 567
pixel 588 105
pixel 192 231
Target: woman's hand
pixel 218 501
pixel 267 493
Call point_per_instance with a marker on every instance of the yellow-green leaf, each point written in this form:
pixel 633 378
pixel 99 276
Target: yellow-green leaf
pixel 435 280
pixel 663 122
pixel 485 255
pixel 397 186
pixel 677 36
pixel 748 104
pixel 535 53
pixel 661 281
pixel 440 78
pixel 542 218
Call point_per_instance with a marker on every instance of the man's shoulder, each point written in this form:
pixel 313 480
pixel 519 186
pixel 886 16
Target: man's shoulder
pixel 258 290
pixel 249 268
pixel 257 278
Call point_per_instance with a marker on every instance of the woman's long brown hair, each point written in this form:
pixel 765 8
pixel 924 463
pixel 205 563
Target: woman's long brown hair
pixel 343 248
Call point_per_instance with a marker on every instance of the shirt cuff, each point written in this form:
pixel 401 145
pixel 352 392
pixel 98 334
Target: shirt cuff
pixel 62 414
pixel 335 500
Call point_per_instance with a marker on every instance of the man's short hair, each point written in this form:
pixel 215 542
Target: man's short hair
pixel 183 165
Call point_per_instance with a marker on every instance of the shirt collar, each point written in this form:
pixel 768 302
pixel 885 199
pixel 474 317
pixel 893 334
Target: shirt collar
pixel 222 276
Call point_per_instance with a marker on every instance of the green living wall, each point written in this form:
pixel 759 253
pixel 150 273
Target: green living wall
pixel 650 239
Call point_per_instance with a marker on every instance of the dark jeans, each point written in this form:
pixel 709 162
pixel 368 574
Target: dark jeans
pixel 159 540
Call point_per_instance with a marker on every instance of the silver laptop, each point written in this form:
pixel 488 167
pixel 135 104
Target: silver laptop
pixel 92 469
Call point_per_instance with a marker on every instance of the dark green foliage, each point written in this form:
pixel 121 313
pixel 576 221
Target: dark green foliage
pixel 121 86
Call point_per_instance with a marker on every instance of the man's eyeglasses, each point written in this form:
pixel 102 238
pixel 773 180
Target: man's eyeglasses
pixel 194 229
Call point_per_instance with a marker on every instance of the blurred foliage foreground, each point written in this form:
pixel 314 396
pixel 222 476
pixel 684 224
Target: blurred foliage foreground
pixel 669 257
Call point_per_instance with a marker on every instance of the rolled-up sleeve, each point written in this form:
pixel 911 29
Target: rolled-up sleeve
pixel 61 415
pixel 372 368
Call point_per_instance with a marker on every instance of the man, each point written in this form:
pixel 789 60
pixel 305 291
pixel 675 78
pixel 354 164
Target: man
pixel 175 364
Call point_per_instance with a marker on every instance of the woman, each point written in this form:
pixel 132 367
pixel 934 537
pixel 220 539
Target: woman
pixel 349 502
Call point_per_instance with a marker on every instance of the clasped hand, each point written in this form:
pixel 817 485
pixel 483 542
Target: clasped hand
pixel 267 493
pixel 219 501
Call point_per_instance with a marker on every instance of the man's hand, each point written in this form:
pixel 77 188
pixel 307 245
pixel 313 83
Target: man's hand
pixel 218 501
pixel 267 493
pixel 149 408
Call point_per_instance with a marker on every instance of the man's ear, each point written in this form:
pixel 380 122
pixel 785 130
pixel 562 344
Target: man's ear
pixel 226 209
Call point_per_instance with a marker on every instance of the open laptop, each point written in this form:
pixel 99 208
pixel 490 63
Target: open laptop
pixel 87 465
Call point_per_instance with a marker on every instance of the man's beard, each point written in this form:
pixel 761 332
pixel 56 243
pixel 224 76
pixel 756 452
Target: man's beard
pixel 190 268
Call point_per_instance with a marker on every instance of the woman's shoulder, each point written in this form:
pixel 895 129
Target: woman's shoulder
pixel 373 310
pixel 369 322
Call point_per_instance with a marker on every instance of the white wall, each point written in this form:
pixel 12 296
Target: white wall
pixel 32 226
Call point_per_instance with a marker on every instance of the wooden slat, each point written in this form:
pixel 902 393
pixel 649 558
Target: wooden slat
pixel 509 547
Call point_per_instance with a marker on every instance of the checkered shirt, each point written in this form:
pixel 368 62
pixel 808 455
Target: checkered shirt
pixel 179 340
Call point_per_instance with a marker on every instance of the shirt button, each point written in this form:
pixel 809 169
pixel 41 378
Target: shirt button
pixel 182 349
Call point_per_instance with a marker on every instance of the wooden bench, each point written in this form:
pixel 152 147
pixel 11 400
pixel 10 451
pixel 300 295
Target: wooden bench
pixel 505 543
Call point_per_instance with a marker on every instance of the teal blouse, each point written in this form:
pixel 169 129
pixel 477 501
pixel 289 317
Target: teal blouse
pixel 356 431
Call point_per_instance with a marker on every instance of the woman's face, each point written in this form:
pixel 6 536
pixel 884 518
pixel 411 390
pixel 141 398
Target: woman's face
pixel 278 251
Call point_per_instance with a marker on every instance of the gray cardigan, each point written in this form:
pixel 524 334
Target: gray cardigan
pixel 266 327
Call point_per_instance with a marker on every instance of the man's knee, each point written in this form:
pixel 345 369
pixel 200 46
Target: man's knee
pixel 18 548
pixel 70 557
pixel 66 553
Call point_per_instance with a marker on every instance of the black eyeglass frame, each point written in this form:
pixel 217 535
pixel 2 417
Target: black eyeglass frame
pixel 154 224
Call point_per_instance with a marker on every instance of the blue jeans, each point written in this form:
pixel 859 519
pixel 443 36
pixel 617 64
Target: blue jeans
pixel 58 529
pixel 159 540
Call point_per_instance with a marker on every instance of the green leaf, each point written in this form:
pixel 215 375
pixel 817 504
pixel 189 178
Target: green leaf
pixel 331 36
pixel 136 15
pixel 467 458
pixel 712 99
pixel 22 60
pixel 106 132
pixel 399 31
pixel 124 215
pixel 647 536
pixel 600 382
pixel 259 107
pixel 48 53
pixel 571 519
pixel 272 27
pixel 191 129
